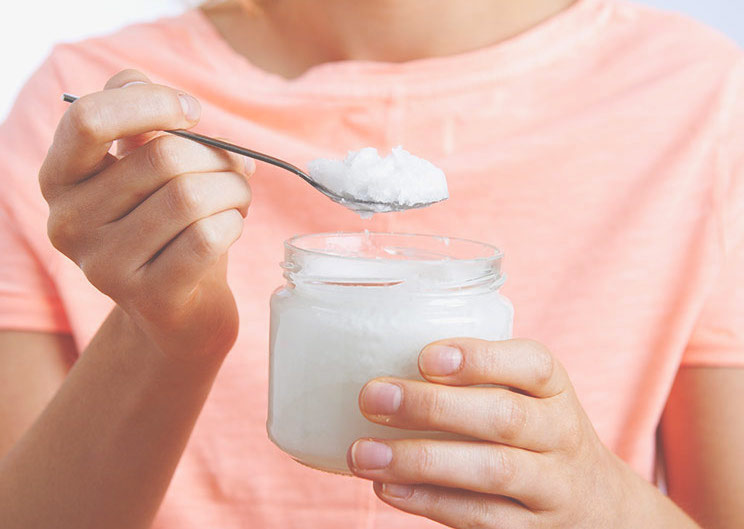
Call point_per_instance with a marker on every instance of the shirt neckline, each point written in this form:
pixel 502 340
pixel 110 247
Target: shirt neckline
pixel 534 48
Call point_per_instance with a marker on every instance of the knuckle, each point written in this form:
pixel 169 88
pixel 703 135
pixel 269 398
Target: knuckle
pixel 164 102
pixel 46 188
pixel 62 228
pixel 131 73
pixel 479 516
pixel 235 229
pixel 182 197
pixel 123 77
pixel 99 273
pixel 205 240
pixel 92 271
pixel 502 470
pixel 87 248
pixel 242 190
pixel 572 433
pixel 247 193
pixel 542 360
pixel 435 406
pixel 426 461
pixel 45 182
pixel 163 155
pixel 167 100
pixel 511 416
pixel 489 357
pixel 246 203
pixel 142 224
pixel 86 118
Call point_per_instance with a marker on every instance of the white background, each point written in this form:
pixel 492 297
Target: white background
pixel 28 28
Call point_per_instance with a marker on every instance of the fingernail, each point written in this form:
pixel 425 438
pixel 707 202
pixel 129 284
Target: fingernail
pixel 396 491
pixel 381 398
pixel 440 360
pixel 191 107
pixel 250 165
pixel 130 83
pixel 370 455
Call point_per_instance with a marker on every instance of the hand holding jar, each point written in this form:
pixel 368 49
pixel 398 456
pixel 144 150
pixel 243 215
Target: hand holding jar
pixel 534 461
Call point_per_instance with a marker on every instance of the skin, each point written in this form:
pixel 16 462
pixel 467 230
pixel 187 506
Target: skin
pixel 103 450
pixel 537 461
pixel 287 37
pixel 703 434
pixel 96 445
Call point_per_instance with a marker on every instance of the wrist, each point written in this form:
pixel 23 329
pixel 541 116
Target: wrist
pixel 121 342
pixel 201 331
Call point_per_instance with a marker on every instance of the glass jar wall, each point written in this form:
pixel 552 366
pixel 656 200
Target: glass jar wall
pixel 362 305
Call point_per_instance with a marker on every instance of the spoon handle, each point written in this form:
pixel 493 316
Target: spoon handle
pixel 214 142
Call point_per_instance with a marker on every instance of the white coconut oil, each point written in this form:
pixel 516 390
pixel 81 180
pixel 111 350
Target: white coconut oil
pixel 400 179
pixel 362 305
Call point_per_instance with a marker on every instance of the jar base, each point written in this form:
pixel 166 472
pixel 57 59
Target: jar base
pixel 335 472
pixel 305 463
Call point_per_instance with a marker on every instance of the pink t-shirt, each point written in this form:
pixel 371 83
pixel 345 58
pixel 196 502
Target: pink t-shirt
pixel 603 151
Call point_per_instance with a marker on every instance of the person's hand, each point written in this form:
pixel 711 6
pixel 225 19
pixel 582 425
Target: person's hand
pixel 533 459
pixel 150 227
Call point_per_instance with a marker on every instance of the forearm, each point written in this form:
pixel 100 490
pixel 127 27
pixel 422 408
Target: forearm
pixel 103 452
pixel 647 506
pixel 702 434
pixel 670 515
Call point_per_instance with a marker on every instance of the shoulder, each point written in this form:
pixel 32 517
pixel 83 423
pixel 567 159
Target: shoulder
pixel 669 26
pixel 665 62
pixel 167 50
pixel 672 39
pixel 701 75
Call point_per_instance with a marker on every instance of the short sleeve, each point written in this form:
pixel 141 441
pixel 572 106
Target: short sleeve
pixel 718 337
pixel 28 297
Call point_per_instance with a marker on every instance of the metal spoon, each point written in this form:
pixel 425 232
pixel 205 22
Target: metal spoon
pixel 360 206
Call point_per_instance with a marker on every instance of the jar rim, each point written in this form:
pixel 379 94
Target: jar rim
pixel 291 244
pixel 422 262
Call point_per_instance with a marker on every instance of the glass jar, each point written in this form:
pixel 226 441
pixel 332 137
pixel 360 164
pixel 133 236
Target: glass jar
pixel 362 305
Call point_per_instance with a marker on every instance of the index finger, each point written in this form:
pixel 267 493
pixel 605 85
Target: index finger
pixel 524 365
pixel 124 79
pixel 91 124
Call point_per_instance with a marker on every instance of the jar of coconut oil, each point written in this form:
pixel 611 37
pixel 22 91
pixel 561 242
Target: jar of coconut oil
pixel 357 306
